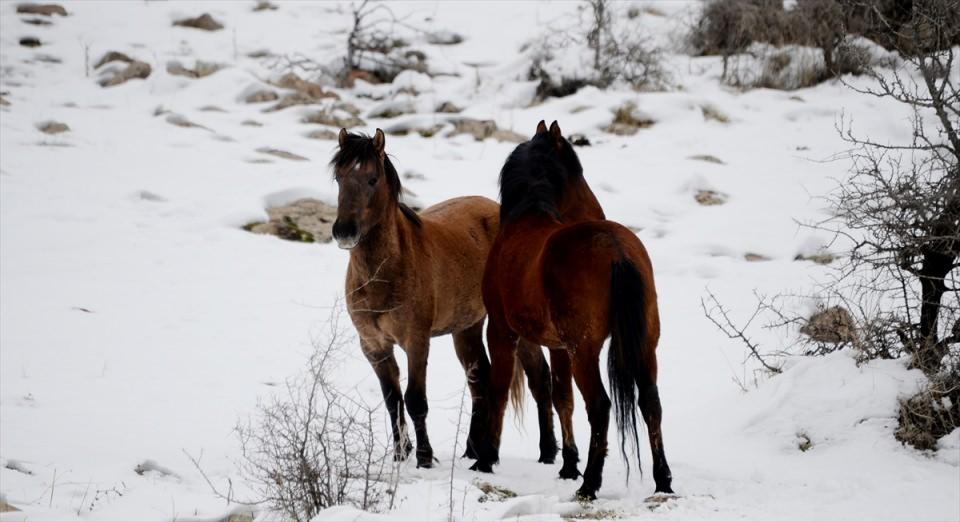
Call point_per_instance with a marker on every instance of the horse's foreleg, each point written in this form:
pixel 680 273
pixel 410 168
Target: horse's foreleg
pixel 502 345
pixel 652 414
pixel 563 403
pixel 416 398
pixel 385 366
pixel 586 373
pixel 538 379
pixel 473 357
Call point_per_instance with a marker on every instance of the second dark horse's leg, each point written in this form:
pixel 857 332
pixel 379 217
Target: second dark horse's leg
pixel 416 398
pixel 652 414
pixel 473 357
pixel 385 366
pixel 586 373
pixel 538 379
pixel 563 402
pixel 502 344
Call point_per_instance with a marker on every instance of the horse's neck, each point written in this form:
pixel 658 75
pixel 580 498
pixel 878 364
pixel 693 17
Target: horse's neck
pixel 579 203
pixel 381 250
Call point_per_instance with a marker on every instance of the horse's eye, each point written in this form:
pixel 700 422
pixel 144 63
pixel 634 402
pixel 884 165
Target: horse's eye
pixel 373 181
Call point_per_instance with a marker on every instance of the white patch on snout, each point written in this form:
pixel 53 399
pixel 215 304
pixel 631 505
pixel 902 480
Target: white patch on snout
pixel 348 243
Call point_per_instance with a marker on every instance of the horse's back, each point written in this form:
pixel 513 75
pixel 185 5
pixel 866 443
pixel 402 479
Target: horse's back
pixel 457 236
pixel 477 216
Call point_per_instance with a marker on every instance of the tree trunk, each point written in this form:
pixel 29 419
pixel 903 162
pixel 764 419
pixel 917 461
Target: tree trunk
pixel 933 273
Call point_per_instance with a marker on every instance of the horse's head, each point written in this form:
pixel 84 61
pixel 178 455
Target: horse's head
pixel 368 184
pixel 539 175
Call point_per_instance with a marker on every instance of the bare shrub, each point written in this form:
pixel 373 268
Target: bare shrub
pixel 315 445
pixel 618 51
pixel 932 413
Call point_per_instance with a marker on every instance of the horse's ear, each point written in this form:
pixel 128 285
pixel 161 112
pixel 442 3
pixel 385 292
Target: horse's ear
pixel 343 137
pixel 379 141
pixel 541 128
pixel 555 133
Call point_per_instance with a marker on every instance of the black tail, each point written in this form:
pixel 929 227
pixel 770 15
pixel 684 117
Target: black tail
pixel 626 360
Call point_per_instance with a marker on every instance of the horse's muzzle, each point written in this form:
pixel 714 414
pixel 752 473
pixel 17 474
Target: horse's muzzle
pixel 346 234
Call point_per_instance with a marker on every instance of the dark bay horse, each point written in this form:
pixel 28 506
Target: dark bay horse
pixel 560 277
pixel 412 277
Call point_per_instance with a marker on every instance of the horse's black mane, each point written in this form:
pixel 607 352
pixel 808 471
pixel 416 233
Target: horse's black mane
pixel 534 176
pixel 360 148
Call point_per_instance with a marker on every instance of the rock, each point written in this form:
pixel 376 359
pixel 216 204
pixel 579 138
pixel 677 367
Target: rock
pixel 448 107
pixel 30 41
pixel 6 508
pixel 627 120
pixel 211 108
pixel 334 117
pixel 823 258
pixel 358 74
pixel 53 127
pixel 281 154
pixel 182 121
pixel 306 92
pixel 261 96
pixel 750 256
pixel 292 81
pixel 4 102
pixel 204 21
pixel 46 58
pixel 712 113
pixel 36 21
pixel 392 109
pixel 259 53
pixel 251 123
pixel 578 140
pixel 706 157
pixel 832 325
pixel 113 56
pixel 307 220
pixel 508 136
pixel 479 129
pixel 264 5
pixel 200 69
pixel 323 134
pixel 403 130
pixel 135 69
pixel 298 98
pixel 42 9
pixel 444 38
pixel 710 197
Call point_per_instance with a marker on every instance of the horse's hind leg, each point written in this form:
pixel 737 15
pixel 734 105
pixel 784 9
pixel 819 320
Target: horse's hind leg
pixel 473 357
pixel 652 414
pixel 385 366
pixel 586 373
pixel 538 379
pixel 563 403
pixel 416 398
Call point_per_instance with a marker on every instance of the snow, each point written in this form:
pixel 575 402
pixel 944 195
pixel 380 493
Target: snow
pixel 138 321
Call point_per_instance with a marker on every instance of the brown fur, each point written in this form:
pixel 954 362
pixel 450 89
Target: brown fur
pixel 548 282
pixel 411 278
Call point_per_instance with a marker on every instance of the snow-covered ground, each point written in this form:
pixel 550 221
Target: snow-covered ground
pixel 138 320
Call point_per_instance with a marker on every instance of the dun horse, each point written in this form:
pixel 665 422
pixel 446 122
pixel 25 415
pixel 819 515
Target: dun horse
pixel 561 276
pixel 412 277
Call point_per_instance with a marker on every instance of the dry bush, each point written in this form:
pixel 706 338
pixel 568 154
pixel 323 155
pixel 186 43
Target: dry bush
pixel 932 413
pixel 618 51
pixel 315 446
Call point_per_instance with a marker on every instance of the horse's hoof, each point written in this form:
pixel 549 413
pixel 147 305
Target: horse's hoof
pixel 427 464
pixel 548 454
pixel 586 495
pixel 482 467
pixel 571 473
pixel 664 488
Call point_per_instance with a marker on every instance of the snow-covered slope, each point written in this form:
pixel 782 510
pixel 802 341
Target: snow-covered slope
pixel 138 320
